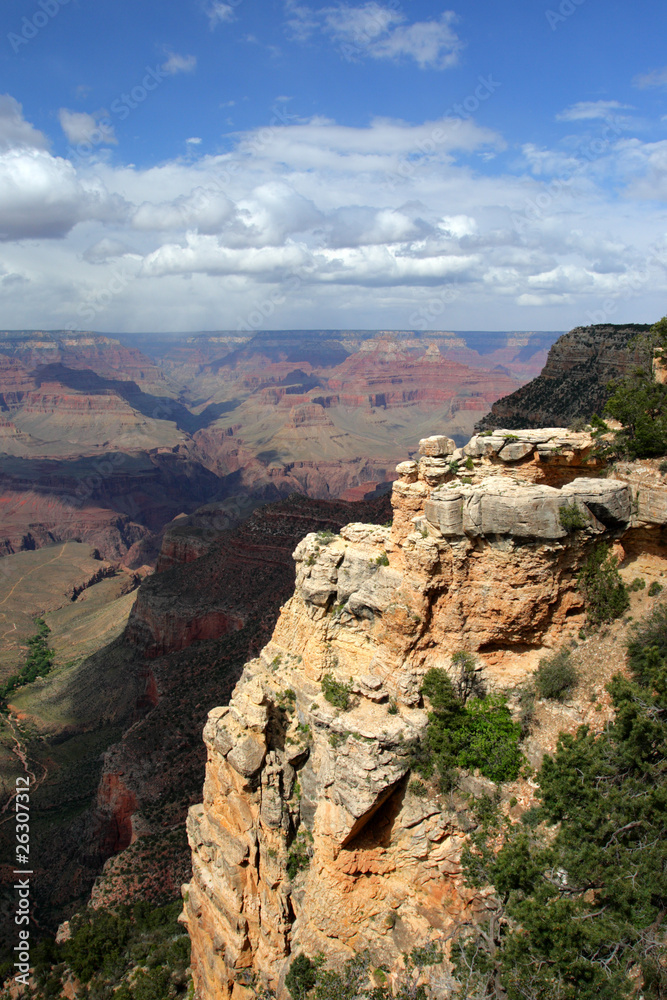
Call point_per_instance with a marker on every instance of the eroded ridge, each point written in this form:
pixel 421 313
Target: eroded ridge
pixel 310 837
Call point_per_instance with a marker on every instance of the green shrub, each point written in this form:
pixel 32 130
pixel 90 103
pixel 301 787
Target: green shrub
pixel 579 885
pixel 38 663
pixel 600 582
pixel 152 985
pixel 298 857
pixel 418 788
pixel 382 559
pixel 326 536
pixel 654 589
pixel 663 468
pixel 639 402
pixel 336 692
pixel 469 464
pixel 477 735
pixel 301 977
pixel 572 517
pixel 637 584
pixel 555 676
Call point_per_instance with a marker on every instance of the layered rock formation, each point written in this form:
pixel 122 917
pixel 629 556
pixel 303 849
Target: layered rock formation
pixel 574 382
pixel 310 837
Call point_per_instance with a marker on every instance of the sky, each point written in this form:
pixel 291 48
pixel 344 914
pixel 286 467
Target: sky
pixel 279 164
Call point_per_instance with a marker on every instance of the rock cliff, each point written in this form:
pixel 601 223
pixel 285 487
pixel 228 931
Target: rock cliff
pixel 573 383
pixel 311 837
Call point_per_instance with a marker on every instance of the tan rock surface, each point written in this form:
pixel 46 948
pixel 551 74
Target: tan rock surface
pixel 310 838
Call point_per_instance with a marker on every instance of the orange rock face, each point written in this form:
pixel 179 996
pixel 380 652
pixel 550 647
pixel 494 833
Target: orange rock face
pixel 311 838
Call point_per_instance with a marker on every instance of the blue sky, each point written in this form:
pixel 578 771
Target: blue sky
pixel 399 164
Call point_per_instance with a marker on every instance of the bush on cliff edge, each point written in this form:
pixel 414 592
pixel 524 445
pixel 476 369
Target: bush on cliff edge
pixel 477 733
pixel 581 884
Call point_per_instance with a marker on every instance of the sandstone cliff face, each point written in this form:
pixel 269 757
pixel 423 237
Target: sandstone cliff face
pixel 573 383
pixel 310 838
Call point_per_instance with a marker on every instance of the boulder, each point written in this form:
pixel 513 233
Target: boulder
pixel 407 471
pixel 609 500
pixel 437 446
pixel 433 470
pixel 514 451
pixel 505 508
pixel 445 511
pixel 248 755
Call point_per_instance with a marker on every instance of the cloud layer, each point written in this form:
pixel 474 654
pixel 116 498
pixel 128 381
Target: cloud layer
pixel 314 223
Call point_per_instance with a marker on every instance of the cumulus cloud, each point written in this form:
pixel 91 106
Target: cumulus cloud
pixel 365 226
pixel 379 32
pixel 392 206
pixel 204 255
pixel 81 127
pixel 205 210
pixel 179 64
pixel 15 131
pixel 107 249
pixel 41 196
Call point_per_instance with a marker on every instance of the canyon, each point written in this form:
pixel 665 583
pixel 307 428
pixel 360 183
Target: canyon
pixel 102 443
pixel 471 554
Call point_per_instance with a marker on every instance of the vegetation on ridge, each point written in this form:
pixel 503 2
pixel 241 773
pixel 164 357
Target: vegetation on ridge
pixel 39 662
pixel 137 952
pixel 581 884
pixel 466 728
pixel 639 400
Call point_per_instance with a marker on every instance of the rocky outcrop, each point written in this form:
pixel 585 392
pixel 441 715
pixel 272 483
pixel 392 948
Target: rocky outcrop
pixel 310 837
pixel 574 382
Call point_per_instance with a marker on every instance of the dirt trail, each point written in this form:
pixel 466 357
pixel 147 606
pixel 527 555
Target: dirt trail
pixel 29 573
pixel 20 750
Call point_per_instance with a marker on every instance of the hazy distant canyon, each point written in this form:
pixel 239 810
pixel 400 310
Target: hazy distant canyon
pixel 105 443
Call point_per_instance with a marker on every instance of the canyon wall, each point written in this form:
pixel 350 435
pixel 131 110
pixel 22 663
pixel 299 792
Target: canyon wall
pixel 574 382
pixel 311 838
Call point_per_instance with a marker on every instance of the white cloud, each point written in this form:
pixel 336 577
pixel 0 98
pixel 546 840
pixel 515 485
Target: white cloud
pixel 301 22
pixel 205 255
pixel 80 127
pixel 179 64
pixel 457 226
pixel 15 131
pixel 379 32
pixel 656 78
pixel 322 224
pixel 194 140
pixel 42 196
pixel 220 13
pixel 591 110
pixel 203 209
pixel 105 250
